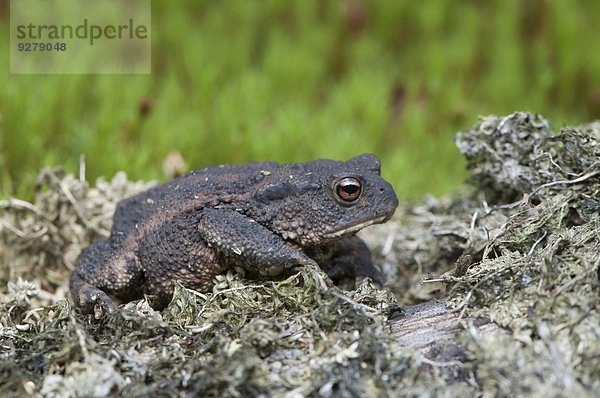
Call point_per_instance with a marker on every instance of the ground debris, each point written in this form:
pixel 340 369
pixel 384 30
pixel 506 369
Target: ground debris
pixel 519 248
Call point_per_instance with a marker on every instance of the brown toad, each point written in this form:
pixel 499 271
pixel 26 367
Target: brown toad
pixel 265 217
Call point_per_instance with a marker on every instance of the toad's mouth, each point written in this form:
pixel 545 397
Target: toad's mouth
pixel 358 226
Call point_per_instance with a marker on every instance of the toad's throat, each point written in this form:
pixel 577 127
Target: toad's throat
pixel 357 227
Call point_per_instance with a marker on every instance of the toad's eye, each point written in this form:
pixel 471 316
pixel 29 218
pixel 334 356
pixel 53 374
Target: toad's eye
pixel 348 189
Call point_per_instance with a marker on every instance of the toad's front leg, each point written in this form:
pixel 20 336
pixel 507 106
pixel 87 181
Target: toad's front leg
pixel 249 244
pixel 347 261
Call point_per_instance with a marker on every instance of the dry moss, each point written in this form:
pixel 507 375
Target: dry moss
pixel 521 248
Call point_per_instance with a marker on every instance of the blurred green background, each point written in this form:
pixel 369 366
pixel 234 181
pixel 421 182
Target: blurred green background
pixel 235 81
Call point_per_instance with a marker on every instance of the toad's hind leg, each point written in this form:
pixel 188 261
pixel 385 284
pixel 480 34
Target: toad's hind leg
pixel 105 268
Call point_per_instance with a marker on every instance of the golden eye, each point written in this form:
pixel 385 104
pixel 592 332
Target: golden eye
pixel 348 189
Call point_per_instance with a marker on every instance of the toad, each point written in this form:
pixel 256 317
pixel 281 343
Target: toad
pixel 265 217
